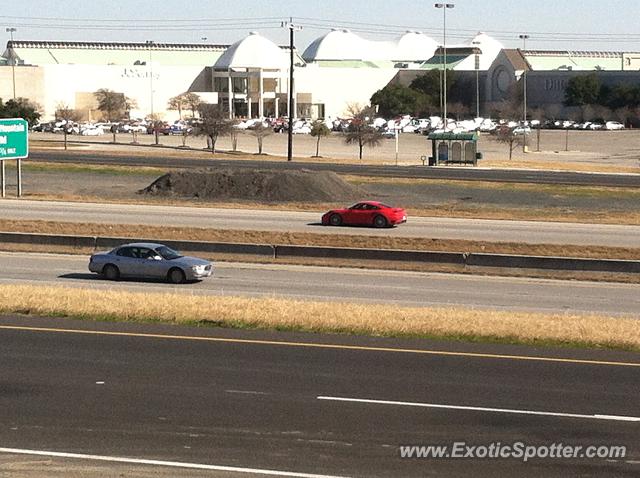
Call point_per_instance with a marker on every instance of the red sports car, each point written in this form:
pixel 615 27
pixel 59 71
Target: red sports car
pixel 366 213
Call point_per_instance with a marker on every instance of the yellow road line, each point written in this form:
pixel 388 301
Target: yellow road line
pixel 322 346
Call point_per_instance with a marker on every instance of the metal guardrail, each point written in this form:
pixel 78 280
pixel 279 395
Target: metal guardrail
pixel 294 251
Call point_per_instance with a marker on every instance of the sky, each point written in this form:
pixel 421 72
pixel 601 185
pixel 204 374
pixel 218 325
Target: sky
pixel 550 24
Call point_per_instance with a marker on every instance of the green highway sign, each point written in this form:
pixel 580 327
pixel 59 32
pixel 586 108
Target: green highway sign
pixel 14 143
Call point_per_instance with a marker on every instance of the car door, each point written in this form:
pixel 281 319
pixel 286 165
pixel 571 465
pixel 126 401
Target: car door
pixel 151 266
pixel 365 215
pixel 355 214
pixel 372 212
pixel 127 261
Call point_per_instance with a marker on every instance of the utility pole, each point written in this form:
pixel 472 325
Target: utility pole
pixel 292 28
pixel 150 46
pixel 11 31
pixel 524 39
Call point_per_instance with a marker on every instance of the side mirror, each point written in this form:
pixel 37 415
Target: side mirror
pixel 156 258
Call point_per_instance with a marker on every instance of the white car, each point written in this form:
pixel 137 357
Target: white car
pixel 304 129
pixel 92 131
pixel 613 126
pixel 521 130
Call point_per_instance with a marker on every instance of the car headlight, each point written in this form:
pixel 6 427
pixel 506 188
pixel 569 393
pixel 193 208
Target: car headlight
pixel 199 269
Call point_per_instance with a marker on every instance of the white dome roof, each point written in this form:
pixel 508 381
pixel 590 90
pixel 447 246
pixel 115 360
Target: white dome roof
pixel 336 45
pixel 490 48
pixel 253 51
pixel 345 45
pixel 415 46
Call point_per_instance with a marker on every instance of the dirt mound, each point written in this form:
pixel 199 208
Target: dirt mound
pixel 272 186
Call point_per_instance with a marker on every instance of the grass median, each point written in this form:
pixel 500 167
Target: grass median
pixel 460 324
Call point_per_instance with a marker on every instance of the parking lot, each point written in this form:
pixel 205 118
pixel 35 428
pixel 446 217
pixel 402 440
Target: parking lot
pixel 600 149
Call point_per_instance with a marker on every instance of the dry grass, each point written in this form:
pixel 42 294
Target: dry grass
pixel 124 150
pixel 283 314
pixel 588 160
pixel 315 239
pixel 557 165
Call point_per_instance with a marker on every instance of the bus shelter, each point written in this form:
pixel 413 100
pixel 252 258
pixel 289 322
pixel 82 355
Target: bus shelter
pixel 454 148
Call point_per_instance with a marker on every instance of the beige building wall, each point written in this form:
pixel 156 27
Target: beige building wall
pixel 339 87
pixel 73 85
pixel 29 83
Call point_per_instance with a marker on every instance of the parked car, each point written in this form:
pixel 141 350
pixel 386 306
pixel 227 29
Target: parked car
pixel 613 125
pixel 366 213
pixel 90 130
pixel 521 130
pixel 149 260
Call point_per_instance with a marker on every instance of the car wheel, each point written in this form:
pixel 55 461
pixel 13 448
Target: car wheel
pixel 176 276
pixel 335 220
pixel 111 272
pixel 380 221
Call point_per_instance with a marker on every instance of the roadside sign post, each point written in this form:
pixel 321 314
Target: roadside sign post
pixel 19 178
pixel 14 144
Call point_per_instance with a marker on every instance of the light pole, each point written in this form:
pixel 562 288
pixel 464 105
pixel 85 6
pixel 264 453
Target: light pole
pixel 476 44
pixel 11 31
pixel 150 44
pixel 292 28
pixel 445 7
pixel 524 39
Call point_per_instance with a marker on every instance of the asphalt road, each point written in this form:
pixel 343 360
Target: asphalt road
pixel 230 399
pixel 535 232
pixel 157 159
pixel 348 285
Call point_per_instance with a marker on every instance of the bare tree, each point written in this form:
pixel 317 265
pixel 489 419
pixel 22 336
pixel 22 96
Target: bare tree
pixel 511 106
pixel 458 109
pixel 233 134
pixel 66 114
pixel 360 132
pixel 552 111
pixel 260 131
pixel 318 131
pixel 505 135
pixel 213 124
pixel 177 103
pixel 193 101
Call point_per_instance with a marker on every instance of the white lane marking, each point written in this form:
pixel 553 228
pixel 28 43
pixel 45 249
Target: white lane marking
pixel 172 464
pixel 246 392
pixel 617 418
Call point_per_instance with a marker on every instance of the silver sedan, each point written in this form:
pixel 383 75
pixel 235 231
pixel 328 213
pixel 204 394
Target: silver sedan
pixel 149 260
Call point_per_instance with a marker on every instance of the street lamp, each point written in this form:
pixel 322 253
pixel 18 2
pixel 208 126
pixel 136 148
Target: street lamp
pixel 292 28
pixel 150 44
pixel 524 39
pixel 444 7
pixel 11 31
pixel 476 44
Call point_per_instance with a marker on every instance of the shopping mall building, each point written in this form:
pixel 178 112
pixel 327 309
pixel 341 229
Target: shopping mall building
pixel 250 77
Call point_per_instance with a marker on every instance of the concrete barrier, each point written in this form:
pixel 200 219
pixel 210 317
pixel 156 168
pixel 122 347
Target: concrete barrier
pixel 370 254
pixel 264 250
pixel 275 251
pixel 47 239
pixel 552 263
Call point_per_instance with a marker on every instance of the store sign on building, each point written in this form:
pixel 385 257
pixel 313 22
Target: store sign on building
pixel 139 73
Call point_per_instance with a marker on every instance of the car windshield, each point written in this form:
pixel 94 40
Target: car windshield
pixel 168 253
